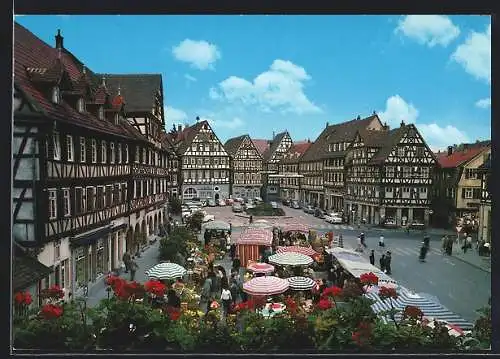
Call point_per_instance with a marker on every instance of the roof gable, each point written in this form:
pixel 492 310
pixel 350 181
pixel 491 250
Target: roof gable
pixel 233 144
pixel 459 158
pixel 261 145
pixel 272 151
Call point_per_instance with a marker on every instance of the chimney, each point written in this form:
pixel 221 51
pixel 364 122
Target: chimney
pixel 358 118
pixel 179 128
pixel 103 81
pixel 385 127
pixel 402 123
pixel 308 140
pixel 450 150
pixel 274 135
pixel 59 40
pixel 374 113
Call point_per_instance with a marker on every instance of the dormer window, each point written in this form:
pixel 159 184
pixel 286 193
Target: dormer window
pixel 101 113
pixel 55 95
pixel 80 105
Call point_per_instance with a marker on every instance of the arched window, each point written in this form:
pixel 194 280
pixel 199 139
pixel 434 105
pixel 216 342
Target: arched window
pixel 189 193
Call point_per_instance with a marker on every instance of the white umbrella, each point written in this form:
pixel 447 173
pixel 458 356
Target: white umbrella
pixel 261 221
pixel 262 286
pixel 301 283
pixel 290 259
pixel 166 270
pixel 220 225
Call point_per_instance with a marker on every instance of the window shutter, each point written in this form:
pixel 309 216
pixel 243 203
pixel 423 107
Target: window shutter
pixel 77 201
pixel 463 192
pixel 476 193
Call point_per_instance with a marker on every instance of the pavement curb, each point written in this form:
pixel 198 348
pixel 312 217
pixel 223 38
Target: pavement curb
pixel 472 264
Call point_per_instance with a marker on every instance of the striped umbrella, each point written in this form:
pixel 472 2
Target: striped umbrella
pixel 308 251
pixel 290 259
pixel 262 286
pixel 296 227
pixel 260 268
pixel 262 221
pixel 301 283
pixel 220 225
pixel 428 307
pixel 260 225
pixel 166 270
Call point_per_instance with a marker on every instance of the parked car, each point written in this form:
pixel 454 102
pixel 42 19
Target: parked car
pixel 249 205
pixel 417 225
pixel 286 202
pixel 211 203
pixel 229 201
pixel 318 212
pixel 295 204
pixel 237 208
pixel 207 217
pixel 239 200
pixel 389 222
pixel 274 204
pixel 221 202
pixel 309 209
pixel 333 217
pixel 258 200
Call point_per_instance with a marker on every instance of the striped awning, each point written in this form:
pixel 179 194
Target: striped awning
pixel 308 251
pixel 301 283
pixel 262 286
pixel 295 227
pixel 166 270
pixel 428 307
pixel 290 259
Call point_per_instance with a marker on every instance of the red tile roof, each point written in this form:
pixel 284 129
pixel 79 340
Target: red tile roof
pixel 300 147
pixel 459 157
pixel 32 52
pixel 262 145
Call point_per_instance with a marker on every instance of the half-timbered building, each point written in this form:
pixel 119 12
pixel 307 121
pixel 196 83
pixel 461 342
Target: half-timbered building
pixel 246 167
pixel 457 183
pixel 279 145
pixel 289 171
pixel 75 164
pixel 485 224
pixel 389 175
pixel 205 164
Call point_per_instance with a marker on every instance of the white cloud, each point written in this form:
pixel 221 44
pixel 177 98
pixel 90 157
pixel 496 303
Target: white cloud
pixel 281 87
pixel 174 115
pixel 475 54
pixel 236 122
pixel 397 110
pixel 190 78
pixel 484 103
pixel 428 29
pixel 440 137
pixel 202 55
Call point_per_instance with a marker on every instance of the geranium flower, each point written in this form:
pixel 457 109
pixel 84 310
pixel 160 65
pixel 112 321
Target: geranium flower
pixel 412 311
pixel 214 305
pixel 173 313
pixel 324 304
pixel 332 291
pixel 51 311
pixel 19 298
pixel 368 279
pixel 155 287
pixel 385 292
pixel 27 298
pixel 291 304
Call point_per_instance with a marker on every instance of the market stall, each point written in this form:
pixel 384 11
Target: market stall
pixel 308 251
pixel 250 243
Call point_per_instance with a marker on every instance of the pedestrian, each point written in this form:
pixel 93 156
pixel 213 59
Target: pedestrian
pixel 205 295
pixel 173 299
pixel 444 242
pixel 126 260
pixel 382 263
pixel 232 251
pixel 226 299
pixel 362 238
pixel 233 287
pixel 388 259
pixel 468 241
pixel 332 277
pixel 372 257
pixel 381 241
pixel 250 219
pixel 236 262
pixel 449 246
pixel 133 268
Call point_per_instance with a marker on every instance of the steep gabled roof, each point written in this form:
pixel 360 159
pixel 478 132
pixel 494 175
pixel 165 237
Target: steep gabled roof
pixel 392 138
pixel 373 138
pixel 31 53
pixel 26 270
pixel 262 145
pixel 298 149
pixel 233 144
pixel 460 157
pixel 268 154
pixel 340 132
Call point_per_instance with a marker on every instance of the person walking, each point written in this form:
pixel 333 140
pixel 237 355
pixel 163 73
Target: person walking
pixel 233 288
pixel 381 241
pixel 133 268
pixel 449 246
pixel 372 257
pixel 126 260
pixel 226 299
pixel 444 242
pixel 382 263
pixel 232 251
pixel 250 220
pixel 205 295
pixel 362 239
pixel 388 259
pixel 236 263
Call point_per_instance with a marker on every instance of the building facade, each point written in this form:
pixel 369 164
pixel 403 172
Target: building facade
pixel 484 233
pixel 75 188
pixel 290 179
pixel 457 190
pixel 205 164
pixel 389 176
pixel 246 167
pixel 280 144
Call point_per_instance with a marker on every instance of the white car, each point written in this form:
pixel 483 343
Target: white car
pixel 333 217
pixel 249 205
pixel 221 202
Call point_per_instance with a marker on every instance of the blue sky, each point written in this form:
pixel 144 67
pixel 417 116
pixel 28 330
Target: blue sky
pixel 259 74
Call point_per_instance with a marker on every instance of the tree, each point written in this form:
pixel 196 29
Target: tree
pixel 195 220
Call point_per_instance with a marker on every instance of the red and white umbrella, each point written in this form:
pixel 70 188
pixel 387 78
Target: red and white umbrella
pixel 308 251
pixel 454 330
pixel 296 227
pixel 262 286
pixel 260 268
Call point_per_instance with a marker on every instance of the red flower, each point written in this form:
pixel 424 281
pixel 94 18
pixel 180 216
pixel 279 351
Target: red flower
pixel 27 298
pixel 112 279
pixel 51 311
pixel 291 304
pixel 368 279
pixel 332 291
pixel 155 287
pixel 173 313
pixel 324 304
pixel 356 337
pixel 385 292
pixel 19 298
pixel 411 311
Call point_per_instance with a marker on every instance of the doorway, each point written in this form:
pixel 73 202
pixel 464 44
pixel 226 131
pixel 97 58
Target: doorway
pixel 216 197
